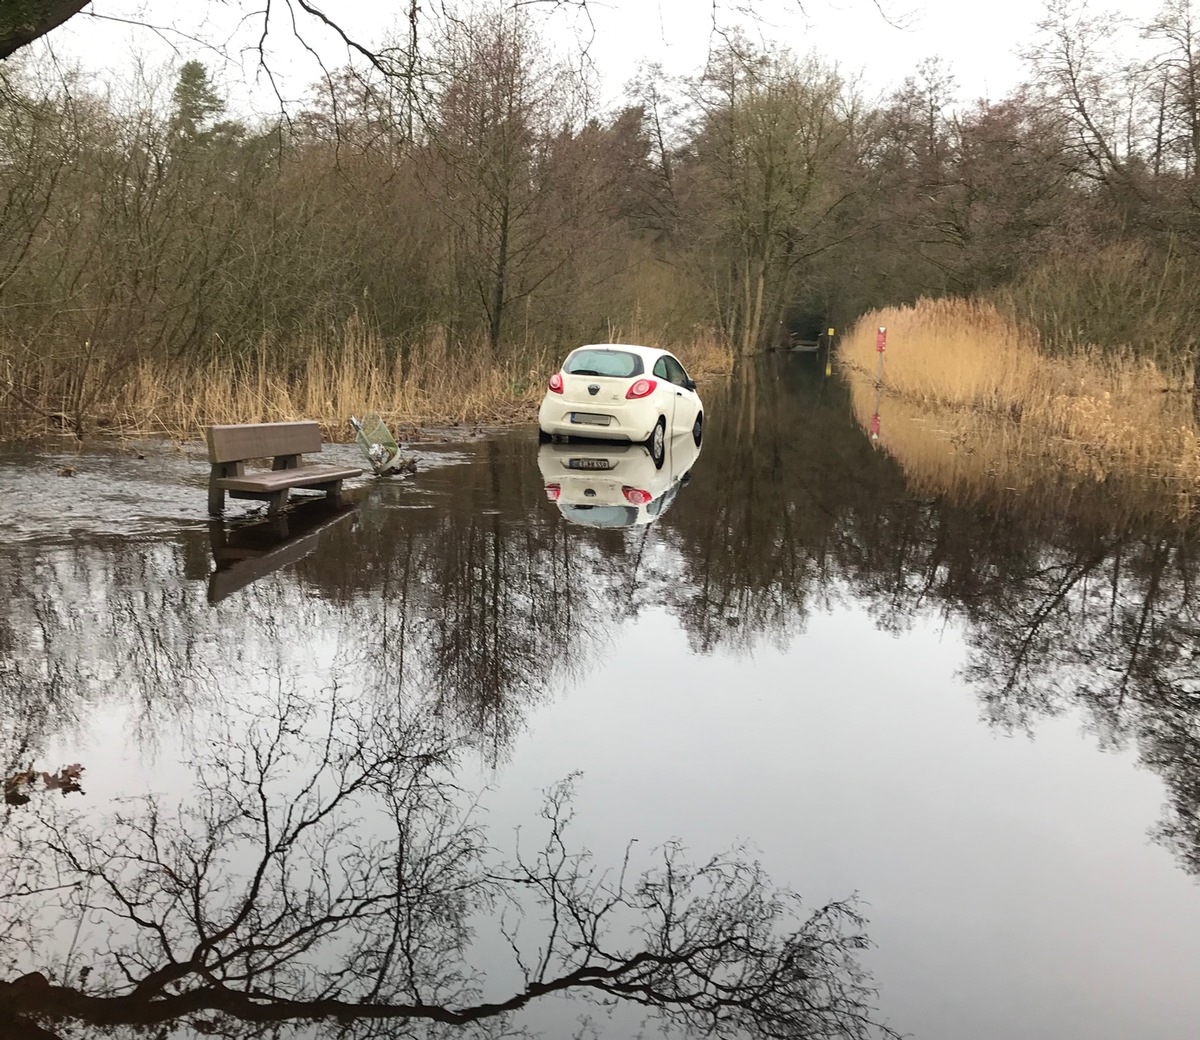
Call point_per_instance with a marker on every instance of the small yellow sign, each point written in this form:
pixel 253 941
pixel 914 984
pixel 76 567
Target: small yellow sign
pixel 831 332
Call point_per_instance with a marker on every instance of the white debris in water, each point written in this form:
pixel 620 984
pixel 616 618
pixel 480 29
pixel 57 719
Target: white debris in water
pixel 379 455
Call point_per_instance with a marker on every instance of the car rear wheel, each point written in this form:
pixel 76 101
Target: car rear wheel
pixel 698 429
pixel 657 443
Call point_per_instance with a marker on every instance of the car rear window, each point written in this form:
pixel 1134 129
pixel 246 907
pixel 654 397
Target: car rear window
pixel 617 363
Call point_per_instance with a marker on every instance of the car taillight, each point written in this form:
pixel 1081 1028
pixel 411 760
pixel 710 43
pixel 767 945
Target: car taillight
pixel 635 496
pixel 556 383
pixel 553 491
pixel 640 389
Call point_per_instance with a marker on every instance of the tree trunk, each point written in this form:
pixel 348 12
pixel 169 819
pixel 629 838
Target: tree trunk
pixel 1196 390
pixel 23 21
pixel 495 324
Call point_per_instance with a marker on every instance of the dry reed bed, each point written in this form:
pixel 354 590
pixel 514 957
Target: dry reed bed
pixel 968 401
pixel 312 379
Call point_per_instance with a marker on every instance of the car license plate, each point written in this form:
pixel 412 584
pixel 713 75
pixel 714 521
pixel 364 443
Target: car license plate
pixel 588 464
pixel 587 418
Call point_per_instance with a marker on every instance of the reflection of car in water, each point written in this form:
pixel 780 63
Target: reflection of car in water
pixel 615 485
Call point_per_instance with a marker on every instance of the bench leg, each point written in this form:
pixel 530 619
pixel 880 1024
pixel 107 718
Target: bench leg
pixel 216 500
pixel 277 501
pixel 331 489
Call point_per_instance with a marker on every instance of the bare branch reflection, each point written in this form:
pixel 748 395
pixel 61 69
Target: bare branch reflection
pixel 324 871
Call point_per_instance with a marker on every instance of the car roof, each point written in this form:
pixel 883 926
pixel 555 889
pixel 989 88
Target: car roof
pixel 646 353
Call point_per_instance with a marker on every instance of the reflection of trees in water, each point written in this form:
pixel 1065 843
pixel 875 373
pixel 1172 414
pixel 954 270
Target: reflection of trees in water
pixel 100 621
pixel 468 607
pixel 1071 599
pixel 324 875
pixel 1079 595
pixel 1113 630
pixel 468 612
pixel 486 602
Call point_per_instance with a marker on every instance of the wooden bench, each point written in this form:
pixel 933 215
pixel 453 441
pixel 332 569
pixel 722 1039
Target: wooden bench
pixel 231 447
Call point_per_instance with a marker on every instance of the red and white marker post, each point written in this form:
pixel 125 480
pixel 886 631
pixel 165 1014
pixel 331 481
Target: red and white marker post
pixel 880 346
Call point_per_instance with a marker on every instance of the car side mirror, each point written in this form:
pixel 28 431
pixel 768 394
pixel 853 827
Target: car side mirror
pixel 690 383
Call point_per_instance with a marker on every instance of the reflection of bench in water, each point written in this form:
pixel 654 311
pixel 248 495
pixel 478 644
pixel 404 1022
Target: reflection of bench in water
pixel 246 552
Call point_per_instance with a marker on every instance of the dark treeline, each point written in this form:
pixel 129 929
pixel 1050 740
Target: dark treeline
pixel 466 191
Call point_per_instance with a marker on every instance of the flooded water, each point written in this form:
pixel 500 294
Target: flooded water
pixel 417 752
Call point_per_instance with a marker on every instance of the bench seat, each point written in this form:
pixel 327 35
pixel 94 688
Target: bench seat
pixel 278 479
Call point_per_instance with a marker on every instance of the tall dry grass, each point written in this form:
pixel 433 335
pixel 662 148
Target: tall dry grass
pixel 967 400
pixel 950 351
pixel 330 382
pixel 315 378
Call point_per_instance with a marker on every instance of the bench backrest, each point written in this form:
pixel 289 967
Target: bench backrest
pixel 262 440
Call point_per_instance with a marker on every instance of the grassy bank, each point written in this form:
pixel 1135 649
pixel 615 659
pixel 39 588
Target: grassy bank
pixel 968 400
pixel 318 379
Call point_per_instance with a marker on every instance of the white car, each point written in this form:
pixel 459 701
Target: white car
pixel 615 485
pixel 622 392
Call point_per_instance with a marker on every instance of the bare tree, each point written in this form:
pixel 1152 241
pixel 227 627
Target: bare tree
pixel 1177 28
pixel 506 119
pixel 764 189
pixel 1077 73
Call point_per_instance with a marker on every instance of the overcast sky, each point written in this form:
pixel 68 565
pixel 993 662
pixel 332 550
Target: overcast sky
pixel 980 41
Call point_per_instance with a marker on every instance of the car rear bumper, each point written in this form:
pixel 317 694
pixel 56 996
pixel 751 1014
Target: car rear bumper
pixel 624 424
